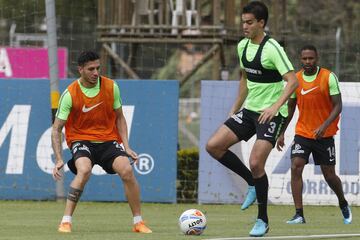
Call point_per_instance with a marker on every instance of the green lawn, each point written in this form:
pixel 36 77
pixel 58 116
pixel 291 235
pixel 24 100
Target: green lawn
pixel 38 220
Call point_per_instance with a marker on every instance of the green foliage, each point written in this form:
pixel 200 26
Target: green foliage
pixel 168 72
pixel 27 15
pixel 72 16
pixel 187 175
pixel 192 87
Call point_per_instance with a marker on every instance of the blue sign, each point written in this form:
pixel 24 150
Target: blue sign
pixel 217 184
pixel 26 157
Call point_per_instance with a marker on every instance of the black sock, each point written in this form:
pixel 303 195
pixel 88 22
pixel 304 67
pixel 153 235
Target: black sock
pixel 233 162
pixel 300 211
pixel 262 187
pixel 343 204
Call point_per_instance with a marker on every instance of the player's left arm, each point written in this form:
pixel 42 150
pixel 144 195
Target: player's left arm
pixel 280 143
pixel 292 84
pixel 336 101
pixel 123 132
pixel 281 62
pixel 121 123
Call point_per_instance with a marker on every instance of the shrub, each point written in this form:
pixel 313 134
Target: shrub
pixel 187 175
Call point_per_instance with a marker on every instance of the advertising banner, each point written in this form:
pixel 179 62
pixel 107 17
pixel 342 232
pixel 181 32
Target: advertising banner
pixel 30 63
pixel 217 184
pixel 26 157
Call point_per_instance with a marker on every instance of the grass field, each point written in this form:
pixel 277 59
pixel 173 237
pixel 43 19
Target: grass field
pixel 38 220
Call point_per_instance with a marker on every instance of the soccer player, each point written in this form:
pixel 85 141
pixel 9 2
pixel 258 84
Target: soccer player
pixel 319 102
pixel 264 65
pixel 95 126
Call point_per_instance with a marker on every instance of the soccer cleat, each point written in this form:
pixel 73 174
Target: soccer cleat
pixel 259 229
pixel 297 219
pixel 250 198
pixel 140 227
pixel 346 212
pixel 64 227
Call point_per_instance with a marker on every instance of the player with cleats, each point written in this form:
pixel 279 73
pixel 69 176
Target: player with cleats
pixel 346 212
pixel 93 138
pixel 318 99
pixel 140 227
pixel 260 228
pixel 264 69
pixel 64 227
pixel 250 198
pixel 297 219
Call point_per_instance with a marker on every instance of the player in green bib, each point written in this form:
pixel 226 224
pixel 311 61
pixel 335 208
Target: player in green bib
pixel 264 67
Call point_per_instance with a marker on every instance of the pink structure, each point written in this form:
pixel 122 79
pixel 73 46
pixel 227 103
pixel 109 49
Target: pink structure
pixel 29 63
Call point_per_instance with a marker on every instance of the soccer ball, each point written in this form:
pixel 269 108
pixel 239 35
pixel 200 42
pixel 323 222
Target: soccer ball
pixel 192 222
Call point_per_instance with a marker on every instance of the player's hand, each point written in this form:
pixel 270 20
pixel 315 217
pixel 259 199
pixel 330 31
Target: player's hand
pixel 319 132
pixel 267 115
pixel 132 154
pixel 56 171
pixel 232 112
pixel 280 142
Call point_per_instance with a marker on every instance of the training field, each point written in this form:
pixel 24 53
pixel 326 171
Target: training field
pixel 38 220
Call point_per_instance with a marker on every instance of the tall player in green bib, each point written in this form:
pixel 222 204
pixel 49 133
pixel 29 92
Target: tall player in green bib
pixel 264 67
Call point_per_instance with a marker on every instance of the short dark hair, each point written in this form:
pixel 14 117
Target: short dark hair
pixel 309 47
pixel 87 56
pixel 259 10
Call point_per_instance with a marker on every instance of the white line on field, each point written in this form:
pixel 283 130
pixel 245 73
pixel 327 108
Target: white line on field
pixel 292 237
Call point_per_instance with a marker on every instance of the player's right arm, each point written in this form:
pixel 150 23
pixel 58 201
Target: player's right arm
pixel 65 105
pixel 56 142
pixel 291 109
pixel 243 91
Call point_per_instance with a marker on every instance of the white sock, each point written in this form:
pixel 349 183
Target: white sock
pixel 137 219
pixel 66 219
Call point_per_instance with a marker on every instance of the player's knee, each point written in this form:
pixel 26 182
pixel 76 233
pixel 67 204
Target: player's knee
pixel 84 173
pixel 255 168
pixel 297 166
pixel 214 150
pixel 296 169
pixel 127 174
pixel 210 147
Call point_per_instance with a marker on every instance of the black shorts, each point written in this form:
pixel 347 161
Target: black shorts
pixel 245 124
pixel 102 154
pixel 323 150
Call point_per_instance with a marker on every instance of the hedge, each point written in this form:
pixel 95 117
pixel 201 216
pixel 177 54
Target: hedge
pixel 187 175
